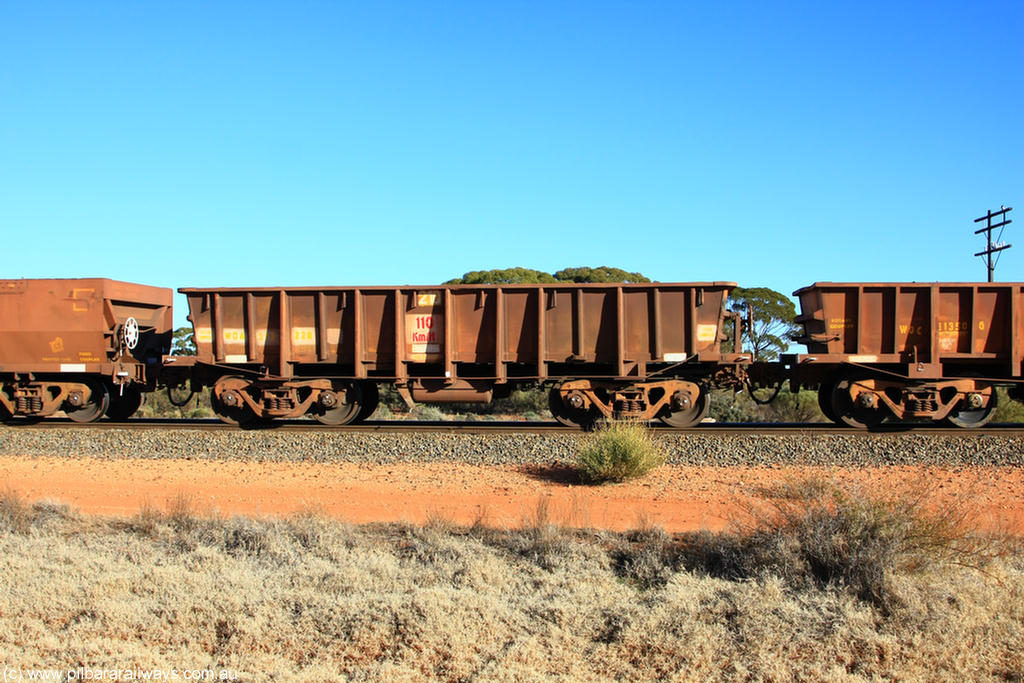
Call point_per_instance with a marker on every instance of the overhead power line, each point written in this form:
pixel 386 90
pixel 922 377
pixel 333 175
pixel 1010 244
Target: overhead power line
pixel 996 246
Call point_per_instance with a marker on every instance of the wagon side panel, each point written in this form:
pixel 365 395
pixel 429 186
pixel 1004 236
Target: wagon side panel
pixel 931 325
pixel 72 325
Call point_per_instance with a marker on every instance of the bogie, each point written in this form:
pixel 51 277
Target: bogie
pixel 676 403
pixel 864 401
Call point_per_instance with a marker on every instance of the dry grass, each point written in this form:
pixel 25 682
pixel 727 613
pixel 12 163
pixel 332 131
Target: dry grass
pixel 15 514
pixel 312 599
pixel 812 531
pixel 617 452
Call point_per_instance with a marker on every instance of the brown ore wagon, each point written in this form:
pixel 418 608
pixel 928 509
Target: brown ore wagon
pixel 910 351
pixel 638 351
pixel 88 347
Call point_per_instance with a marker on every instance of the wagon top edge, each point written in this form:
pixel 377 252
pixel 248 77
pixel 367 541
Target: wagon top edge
pixel 103 287
pixel 918 285
pixel 79 279
pixel 411 288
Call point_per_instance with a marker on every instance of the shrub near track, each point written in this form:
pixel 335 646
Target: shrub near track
pixel 617 452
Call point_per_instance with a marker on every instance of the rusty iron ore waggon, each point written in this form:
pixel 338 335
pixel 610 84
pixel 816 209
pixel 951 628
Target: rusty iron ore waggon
pixel 88 347
pixel 895 352
pixel 629 351
pixel 909 351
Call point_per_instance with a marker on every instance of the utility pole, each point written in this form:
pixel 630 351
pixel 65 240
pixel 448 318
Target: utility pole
pixel 993 247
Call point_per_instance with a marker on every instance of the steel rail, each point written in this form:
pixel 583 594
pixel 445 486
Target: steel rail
pixel 510 427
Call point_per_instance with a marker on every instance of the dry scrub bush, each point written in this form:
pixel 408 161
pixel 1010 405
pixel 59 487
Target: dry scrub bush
pixel 540 539
pixel 617 452
pixel 647 558
pixel 312 599
pixel 812 531
pixel 19 516
pixel 15 513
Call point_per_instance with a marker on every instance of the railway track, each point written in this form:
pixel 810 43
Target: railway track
pixel 508 427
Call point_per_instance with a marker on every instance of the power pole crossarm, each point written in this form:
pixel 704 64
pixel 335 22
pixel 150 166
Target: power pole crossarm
pixel 993 247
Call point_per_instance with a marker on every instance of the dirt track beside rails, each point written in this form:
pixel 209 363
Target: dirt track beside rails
pixel 675 497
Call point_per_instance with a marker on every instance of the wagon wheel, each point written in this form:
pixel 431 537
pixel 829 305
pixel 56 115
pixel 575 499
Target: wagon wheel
pixel 371 398
pixel 569 416
pixel 5 415
pixel 233 415
pixel 687 417
pixel 239 414
pixel 965 417
pixel 92 407
pixel 124 402
pixel 347 403
pixel 849 412
pixel 825 401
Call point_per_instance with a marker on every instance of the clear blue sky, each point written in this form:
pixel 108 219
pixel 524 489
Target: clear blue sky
pixel 305 143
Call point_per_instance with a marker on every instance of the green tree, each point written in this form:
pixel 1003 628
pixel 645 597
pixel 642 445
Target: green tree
pixel 507 276
pixel 772 325
pixel 599 274
pixel 183 342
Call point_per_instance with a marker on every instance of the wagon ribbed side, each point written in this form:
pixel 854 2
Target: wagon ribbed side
pixel 295 348
pixel 911 350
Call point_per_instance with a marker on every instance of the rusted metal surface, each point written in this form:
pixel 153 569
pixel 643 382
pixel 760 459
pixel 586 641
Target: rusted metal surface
pixel 47 324
pixel 916 324
pixel 910 350
pixel 639 401
pixel 81 345
pixel 493 332
pixel 466 342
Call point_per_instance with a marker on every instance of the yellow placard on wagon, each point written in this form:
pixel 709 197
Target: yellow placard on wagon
pixel 303 336
pixel 707 333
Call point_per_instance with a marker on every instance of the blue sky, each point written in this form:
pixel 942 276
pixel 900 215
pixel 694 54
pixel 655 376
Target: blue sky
pixel 317 143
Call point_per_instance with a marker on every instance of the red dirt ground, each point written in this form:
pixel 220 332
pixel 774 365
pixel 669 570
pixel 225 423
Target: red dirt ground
pixel 675 498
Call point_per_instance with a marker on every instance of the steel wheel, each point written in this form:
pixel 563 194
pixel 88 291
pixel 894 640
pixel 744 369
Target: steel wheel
pixel 93 406
pixel 851 414
pixel 825 401
pixel 232 415
pixel 124 404
pixel 239 413
pixel 567 415
pixel 681 419
pixel 972 418
pixel 371 399
pixel 343 412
